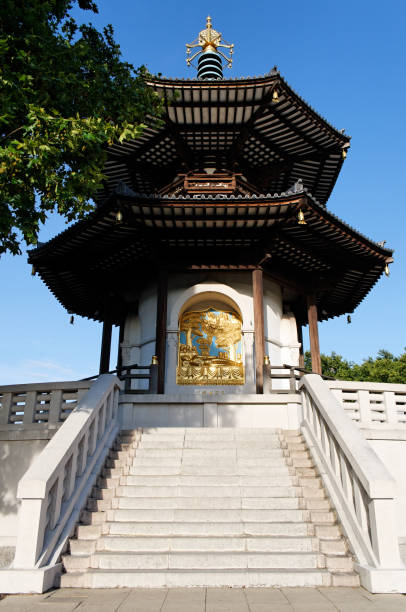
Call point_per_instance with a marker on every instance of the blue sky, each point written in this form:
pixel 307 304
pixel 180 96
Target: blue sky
pixel 347 60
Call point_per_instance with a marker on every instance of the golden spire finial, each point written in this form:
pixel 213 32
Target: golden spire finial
pixel 209 40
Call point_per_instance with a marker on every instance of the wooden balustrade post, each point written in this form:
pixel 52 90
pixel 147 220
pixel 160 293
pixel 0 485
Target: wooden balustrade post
pixel 313 334
pixel 258 299
pixel 154 378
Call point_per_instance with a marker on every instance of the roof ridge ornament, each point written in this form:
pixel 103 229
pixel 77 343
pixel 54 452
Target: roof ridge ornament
pixel 209 64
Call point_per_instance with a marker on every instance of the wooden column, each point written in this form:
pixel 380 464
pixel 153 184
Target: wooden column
pixel 160 341
pixel 313 334
pixel 105 347
pixel 258 295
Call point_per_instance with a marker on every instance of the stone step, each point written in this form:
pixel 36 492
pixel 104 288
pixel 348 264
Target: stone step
pixel 284 478
pixel 204 470
pixel 204 491
pixel 194 560
pixel 229 454
pixel 196 516
pixel 205 502
pixel 210 444
pixel 209 507
pixel 203 480
pixel 236 544
pixel 202 529
pixel 212 462
pixel 180 578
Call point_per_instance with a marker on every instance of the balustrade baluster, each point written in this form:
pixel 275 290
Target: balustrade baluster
pixel 364 406
pixel 346 479
pixel 361 508
pixel 70 483
pixel 6 402
pixel 54 518
pixel 334 457
pixel 324 437
pixel 92 441
pixel 391 409
pixel 29 408
pixel 55 406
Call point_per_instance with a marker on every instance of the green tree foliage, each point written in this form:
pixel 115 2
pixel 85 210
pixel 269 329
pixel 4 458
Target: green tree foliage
pixel 384 368
pixel 65 95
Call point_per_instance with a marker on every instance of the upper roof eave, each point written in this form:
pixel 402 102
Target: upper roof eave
pixel 269 78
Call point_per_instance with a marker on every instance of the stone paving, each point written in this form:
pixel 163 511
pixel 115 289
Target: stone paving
pixel 206 600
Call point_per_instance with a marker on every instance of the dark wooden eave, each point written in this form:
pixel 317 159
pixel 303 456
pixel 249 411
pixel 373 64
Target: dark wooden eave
pixel 231 125
pixel 98 259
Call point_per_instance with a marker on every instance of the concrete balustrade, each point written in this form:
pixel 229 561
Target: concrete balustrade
pixel 362 490
pixel 38 406
pixel 372 405
pixel 56 486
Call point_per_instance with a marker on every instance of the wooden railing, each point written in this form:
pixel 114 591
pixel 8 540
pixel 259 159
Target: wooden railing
pixel 126 373
pixel 39 405
pixel 291 374
pixel 55 488
pixel 372 405
pixel 361 488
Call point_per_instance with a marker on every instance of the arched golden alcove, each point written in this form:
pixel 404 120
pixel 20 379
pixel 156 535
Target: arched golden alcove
pixel 210 350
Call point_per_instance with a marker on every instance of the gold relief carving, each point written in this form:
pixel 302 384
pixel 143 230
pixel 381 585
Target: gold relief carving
pixel 210 349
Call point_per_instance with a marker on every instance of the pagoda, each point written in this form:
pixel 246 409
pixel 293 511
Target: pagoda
pixel 211 244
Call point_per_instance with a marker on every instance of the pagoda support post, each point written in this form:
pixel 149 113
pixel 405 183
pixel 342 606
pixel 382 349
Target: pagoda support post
pixel 313 333
pixel 105 346
pixel 258 295
pixel 161 315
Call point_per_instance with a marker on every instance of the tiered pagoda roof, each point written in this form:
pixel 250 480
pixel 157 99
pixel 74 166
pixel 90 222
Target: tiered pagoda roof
pixel 259 127
pixel 218 185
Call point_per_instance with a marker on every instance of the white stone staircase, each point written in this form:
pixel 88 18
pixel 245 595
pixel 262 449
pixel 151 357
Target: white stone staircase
pixel 208 507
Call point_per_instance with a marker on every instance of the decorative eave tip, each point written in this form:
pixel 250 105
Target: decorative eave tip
pixel 209 41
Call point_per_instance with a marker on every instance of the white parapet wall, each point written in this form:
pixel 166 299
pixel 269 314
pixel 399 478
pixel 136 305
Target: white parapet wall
pixel 379 410
pixel 30 415
pixel 362 489
pixel 56 486
pixel 282 410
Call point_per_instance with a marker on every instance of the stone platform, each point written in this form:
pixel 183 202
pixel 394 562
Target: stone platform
pixel 206 600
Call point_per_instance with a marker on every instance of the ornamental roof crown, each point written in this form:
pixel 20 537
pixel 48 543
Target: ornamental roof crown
pixel 209 40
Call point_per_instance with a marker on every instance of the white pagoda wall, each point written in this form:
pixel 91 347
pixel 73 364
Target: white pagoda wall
pixel 233 289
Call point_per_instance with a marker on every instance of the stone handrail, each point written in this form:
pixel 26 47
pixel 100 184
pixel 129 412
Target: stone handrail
pixel 370 404
pixel 39 405
pixel 360 487
pixel 55 488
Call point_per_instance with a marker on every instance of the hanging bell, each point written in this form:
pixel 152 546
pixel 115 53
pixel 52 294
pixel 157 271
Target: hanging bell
pixel 33 271
pixel 119 216
pixel 344 153
pixel 72 320
pixel 387 270
pixel 348 319
pixel 154 360
pixel 275 97
pixel 301 218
